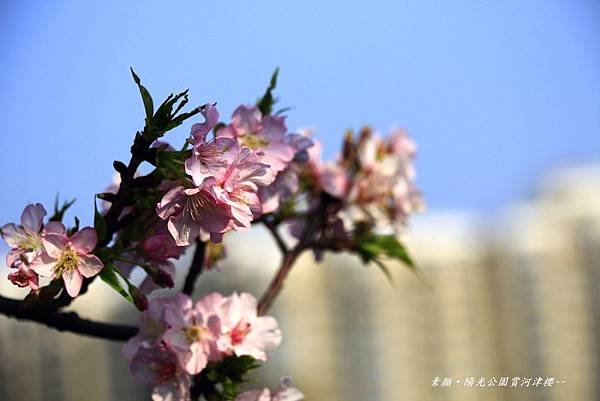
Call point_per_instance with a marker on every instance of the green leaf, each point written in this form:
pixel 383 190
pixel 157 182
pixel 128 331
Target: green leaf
pixel 372 248
pixel 99 223
pixel 110 275
pixel 265 103
pixel 230 372
pixel 146 98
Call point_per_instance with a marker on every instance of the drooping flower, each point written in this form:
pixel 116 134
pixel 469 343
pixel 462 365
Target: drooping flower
pixel 284 393
pixel 161 246
pixel 266 134
pixel 243 332
pixel 25 239
pixel 159 367
pixel 152 324
pixel 69 258
pixel 197 212
pixel 24 277
pixel 162 276
pixel 193 331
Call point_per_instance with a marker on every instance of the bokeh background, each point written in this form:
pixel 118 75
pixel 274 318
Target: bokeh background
pixel 503 99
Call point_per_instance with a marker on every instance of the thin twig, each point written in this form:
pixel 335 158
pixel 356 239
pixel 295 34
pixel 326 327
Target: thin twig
pixel 66 321
pixel 196 268
pixel 275 233
pixel 277 283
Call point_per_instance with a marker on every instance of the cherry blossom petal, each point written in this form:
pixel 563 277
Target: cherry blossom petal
pixel 54 244
pixel 44 265
pixel 32 217
pixel 13 235
pixel 84 241
pixel 72 279
pixel 211 114
pixel 171 203
pixel 246 119
pixel 89 265
pixel 198 359
pixel 55 227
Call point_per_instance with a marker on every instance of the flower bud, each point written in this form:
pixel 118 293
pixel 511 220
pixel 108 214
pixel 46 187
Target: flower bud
pixel 139 300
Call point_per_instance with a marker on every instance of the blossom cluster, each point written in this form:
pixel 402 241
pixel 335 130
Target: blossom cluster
pixel 373 179
pixel 225 178
pixel 178 338
pixel 234 175
pixel 49 251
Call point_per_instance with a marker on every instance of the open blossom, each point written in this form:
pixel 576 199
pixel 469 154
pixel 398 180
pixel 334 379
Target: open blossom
pixel 209 156
pixel 193 331
pixel 25 239
pixel 240 182
pixel 68 257
pixel 243 331
pixel 159 367
pixel 226 201
pixel 284 393
pixel 266 134
pixel 197 212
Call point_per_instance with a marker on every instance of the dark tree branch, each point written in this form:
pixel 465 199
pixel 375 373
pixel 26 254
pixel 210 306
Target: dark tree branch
pixel 314 225
pixel 196 268
pixel 66 321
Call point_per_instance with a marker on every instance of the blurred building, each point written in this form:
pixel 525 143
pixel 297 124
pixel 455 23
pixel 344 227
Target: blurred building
pixel 513 297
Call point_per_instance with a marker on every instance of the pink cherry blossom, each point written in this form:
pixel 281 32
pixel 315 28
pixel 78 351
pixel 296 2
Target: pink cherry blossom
pixel 161 246
pixel 284 186
pixel 197 212
pixel 243 332
pixel 301 141
pixel 152 324
pixel 69 258
pixel 331 177
pixel 286 183
pixel 209 156
pixel 211 116
pixel 334 180
pixel 24 277
pixel 163 276
pixel 24 239
pixel 158 366
pixel 284 393
pixel 240 182
pixel 193 331
pixel 266 134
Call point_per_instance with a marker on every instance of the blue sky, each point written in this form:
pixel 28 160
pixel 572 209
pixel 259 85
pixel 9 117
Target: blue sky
pixel 495 93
